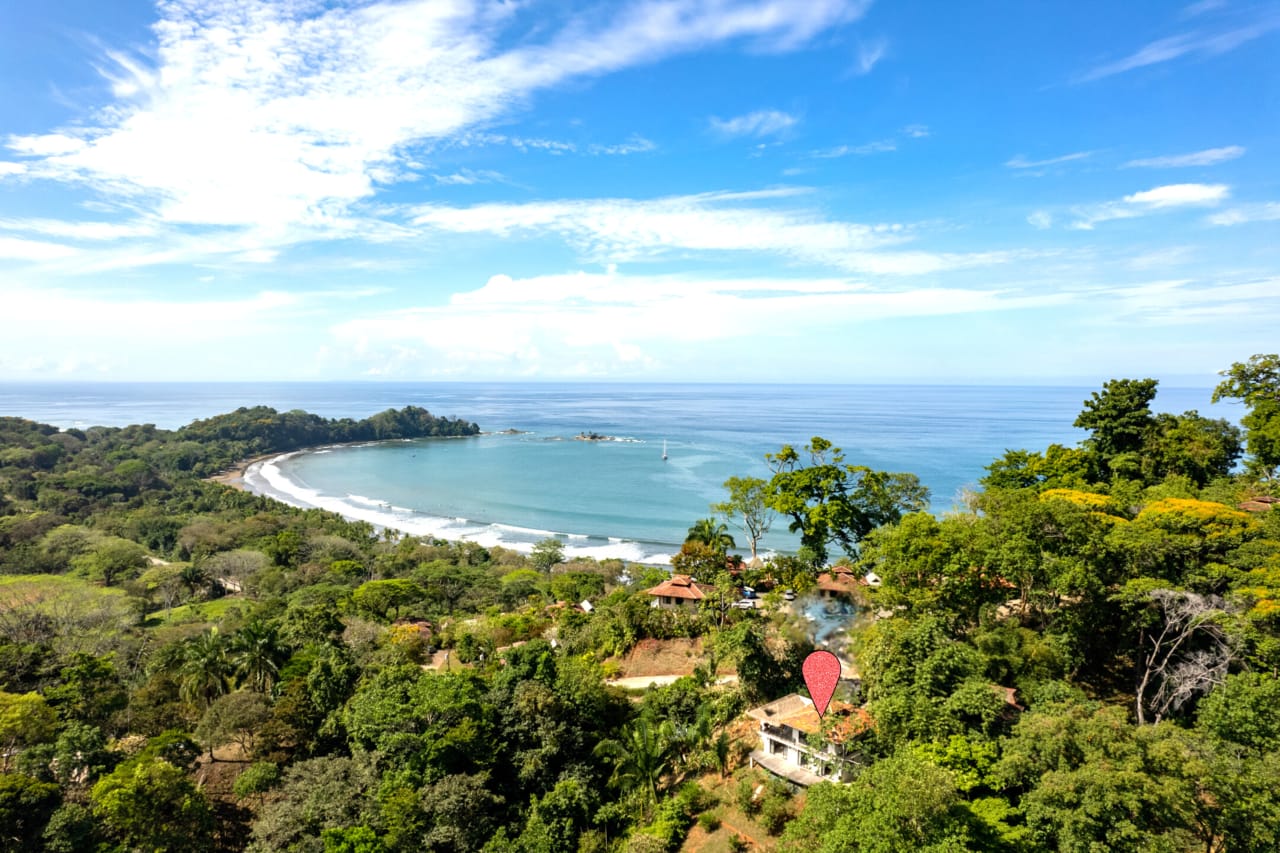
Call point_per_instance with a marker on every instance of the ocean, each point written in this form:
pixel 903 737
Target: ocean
pixel 615 498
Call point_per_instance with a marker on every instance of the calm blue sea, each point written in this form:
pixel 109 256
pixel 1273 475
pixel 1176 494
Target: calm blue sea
pixel 615 498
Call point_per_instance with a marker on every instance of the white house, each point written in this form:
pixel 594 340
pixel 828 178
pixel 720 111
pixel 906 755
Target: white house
pixel 786 729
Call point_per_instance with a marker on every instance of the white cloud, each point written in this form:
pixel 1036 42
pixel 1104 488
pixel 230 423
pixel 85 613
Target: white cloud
pixel 554 324
pixel 759 123
pixel 1174 47
pixel 916 131
pixel 278 116
pixel 94 321
pixel 608 230
pixel 17 249
pixel 10 168
pixel 1208 157
pixel 869 54
pixel 46 145
pixel 1268 211
pixel 1177 195
pixel 1020 162
pixel 1182 301
pixel 78 230
pixel 1040 219
pixel 1151 201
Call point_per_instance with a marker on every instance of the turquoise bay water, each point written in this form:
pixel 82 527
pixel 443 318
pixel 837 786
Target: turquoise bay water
pixel 614 498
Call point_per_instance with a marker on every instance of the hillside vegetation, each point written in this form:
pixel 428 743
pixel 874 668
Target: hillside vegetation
pixel 187 666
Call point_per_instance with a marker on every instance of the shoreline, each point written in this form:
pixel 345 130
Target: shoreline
pixel 259 475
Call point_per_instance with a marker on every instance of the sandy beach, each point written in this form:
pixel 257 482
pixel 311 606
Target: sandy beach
pixel 261 475
pixel 235 475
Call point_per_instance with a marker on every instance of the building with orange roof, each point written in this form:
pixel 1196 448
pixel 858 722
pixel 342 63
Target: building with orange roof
pixel 679 592
pixel 789 750
pixel 839 582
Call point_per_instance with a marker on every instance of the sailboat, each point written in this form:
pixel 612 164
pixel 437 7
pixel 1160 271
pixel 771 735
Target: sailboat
pixel 664 450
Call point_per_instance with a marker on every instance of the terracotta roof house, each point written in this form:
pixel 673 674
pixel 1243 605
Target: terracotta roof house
pixel 839 582
pixel 786 725
pixel 679 592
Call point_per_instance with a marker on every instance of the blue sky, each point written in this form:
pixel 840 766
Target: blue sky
pixel 723 190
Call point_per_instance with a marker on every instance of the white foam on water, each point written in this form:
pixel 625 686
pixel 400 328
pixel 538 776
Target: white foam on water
pixel 267 478
pixel 527 531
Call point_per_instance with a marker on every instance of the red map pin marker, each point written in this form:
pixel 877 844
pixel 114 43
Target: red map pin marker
pixel 821 674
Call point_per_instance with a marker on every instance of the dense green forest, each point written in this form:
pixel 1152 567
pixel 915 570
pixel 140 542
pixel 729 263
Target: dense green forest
pixel 188 666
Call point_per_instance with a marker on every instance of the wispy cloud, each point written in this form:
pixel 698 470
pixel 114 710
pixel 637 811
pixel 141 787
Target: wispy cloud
pixel 876 146
pixel 21 249
pixel 1150 201
pixel 759 123
pixel 1021 162
pixel 78 230
pixel 1193 10
pixel 467 177
pixel 879 146
pixel 553 324
pixel 1040 219
pixel 614 230
pixel 1268 211
pixel 635 145
pixel 284 118
pixel 1189 302
pixel 1184 44
pixel 870 54
pixel 1208 157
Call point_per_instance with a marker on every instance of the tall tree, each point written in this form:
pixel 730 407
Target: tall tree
pixel 1189 445
pixel 546 554
pixel 829 501
pixel 747 508
pixel 1257 384
pixel 1119 418
pixel 206 670
pixel 257 653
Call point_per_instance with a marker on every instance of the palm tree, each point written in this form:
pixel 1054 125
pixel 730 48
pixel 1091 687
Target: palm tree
pixel 640 758
pixel 714 534
pixel 206 670
pixel 257 654
pixel 194 577
pixel 692 737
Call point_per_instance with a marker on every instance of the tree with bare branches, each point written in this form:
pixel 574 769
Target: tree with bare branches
pixel 1186 653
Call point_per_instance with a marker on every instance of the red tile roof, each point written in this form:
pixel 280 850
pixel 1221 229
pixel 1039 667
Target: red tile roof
pixel 681 586
pixel 840 579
